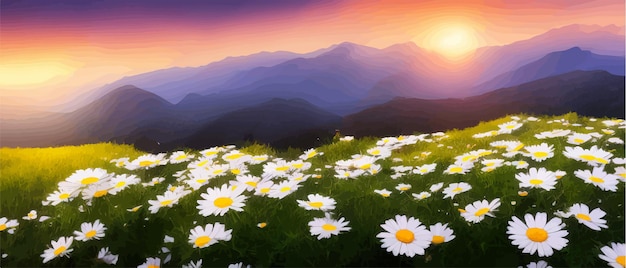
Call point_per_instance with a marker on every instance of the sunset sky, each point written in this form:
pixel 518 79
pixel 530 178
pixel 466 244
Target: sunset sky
pixel 67 47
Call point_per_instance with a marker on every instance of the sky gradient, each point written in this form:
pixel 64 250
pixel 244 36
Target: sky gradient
pixel 67 47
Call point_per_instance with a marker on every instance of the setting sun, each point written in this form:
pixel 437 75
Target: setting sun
pixel 451 41
pixel 32 74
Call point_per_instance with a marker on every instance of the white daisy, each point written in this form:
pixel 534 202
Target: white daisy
pixel 382 152
pixel 578 138
pixel 592 219
pixel 249 182
pixel 107 257
pixel 436 187
pixel 421 196
pixel 61 196
pixel 151 263
pixel 283 188
pixel 539 264
pixel 537 178
pixel 85 177
pixel 441 233
pixel 192 264
pixel 211 234
pixel 425 169
pixel 310 153
pixel 30 216
pixel 593 156
pixel 459 168
pixel 537 234
pixel 403 187
pixel 476 211
pixel 620 172
pixel 218 201
pixel 614 255
pixel 89 231
pixel 317 202
pixel 8 225
pixel 179 157
pixel 599 178
pixel 121 182
pixel 263 187
pixel 405 236
pixel 60 248
pixel 327 226
pixel 456 188
pixel 615 140
pixel 539 152
pixel 383 192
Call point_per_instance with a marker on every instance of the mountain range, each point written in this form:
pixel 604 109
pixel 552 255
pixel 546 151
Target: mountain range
pixel 289 99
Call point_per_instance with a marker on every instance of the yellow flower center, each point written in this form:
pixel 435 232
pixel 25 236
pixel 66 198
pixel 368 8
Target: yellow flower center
pixel 366 166
pixel 621 260
pixel 540 154
pixel 510 126
pixel 173 188
pixel 522 194
pixel 262 225
pixel 89 180
pixel 222 202
pixel 265 190
pixel 579 141
pixel 583 217
pixel 481 212
pixel 404 188
pixel 31 215
pixel 234 156
pixel 120 184
pixel 209 153
pixel 405 236
pixel 518 147
pixel 202 163
pixel 490 164
pixel 100 193
pixel 329 227
pixel 120 164
pixel 3 227
pixel 587 157
pixel 596 179
pixel 135 208
pixel 59 250
pixel 217 171
pixel 165 202
pixel 423 170
pixel 146 163
pixel 485 153
pixel 468 158
pixel 235 171
pixel 437 239
pixel 535 181
pixel 623 175
pixel 537 234
pixel 285 189
pixel 201 241
pixel 282 168
pixel 601 160
pixel 298 165
pixel 153 266
pixel 385 194
pixel 311 154
pixel 316 204
pixel 251 183
pixel 457 189
pixel 375 152
pixel 456 170
pixel 90 234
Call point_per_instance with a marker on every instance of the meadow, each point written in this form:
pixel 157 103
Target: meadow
pixel 515 191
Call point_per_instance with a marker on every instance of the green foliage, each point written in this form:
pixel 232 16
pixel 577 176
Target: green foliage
pixel 28 176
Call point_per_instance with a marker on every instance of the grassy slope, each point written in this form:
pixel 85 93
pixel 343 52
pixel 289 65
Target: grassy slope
pixel 29 175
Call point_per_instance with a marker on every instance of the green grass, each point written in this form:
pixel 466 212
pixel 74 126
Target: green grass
pixel 29 175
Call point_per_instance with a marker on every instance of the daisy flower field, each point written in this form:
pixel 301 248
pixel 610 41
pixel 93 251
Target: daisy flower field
pixel 516 191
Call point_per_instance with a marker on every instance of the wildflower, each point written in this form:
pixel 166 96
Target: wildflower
pixel 168 199
pixel 615 140
pixel 559 174
pixel 202 162
pixel 592 219
pixel 89 231
pixel 107 257
pixel 537 234
pixel 211 152
pixel 238 265
pixel 85 177
pixel 211 234
pixel 508 127
pixel 441 233
pixel 218 201
pixel 421 196
pixel 578 138
pixel 151 263
pixel 540 152
pixel 599 178
pixel 62 195
pixel 283 189
pixel 310 153
pixel 60 248
pixel 147 161
pixel 258 159
pixel 275 169
pixel 154 181
pixel 425 169
pixel 403 187
pixel 249 182
pixel 620 172
pixel 121 182
pixel 317 202
pixel 325 227
pixel 9 225
pixel 476 211
pixel 179 157
pixel 261 225
pixel 614 255
pixel 405 236
pixel 134 209
pixel 458 168
pixel 553 133
pixel 30 216
pixel 539 264
pixel 236 156
pixel 192 264
pixel 456 188
pixel 120 162
pixel 378 151
pixel 593 156
pixel 537 178
pixel 383 192
pixel 96 191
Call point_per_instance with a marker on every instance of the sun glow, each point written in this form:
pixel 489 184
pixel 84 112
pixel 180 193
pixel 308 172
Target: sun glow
pixel 453 41
pixel 32 74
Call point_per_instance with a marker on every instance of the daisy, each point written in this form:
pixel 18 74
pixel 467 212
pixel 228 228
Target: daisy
pixel 615 140
pixel 403 187
pixel 539 264
pixel 540 178
pixel 275 169
pixel 310 153
pixel 378 151
pixel 619 161
pixel 508 127
pixel 553 133
pixel 60 248
pixel 121 182
pixel 147 161
pixel 238 168
pixel 364 163
pixel 421 196
pixel 476 211
pixel 168 199
pixel 89 231
pixel 299 177
pixel 491 164
pixel 578 138
pixel 608 131
pixel 559 174
pixel 249 182
pixel 540 152
pixel 154 181
pixel 456 188
pixel 218 170
pixel 30 216
pixel 85 177
pixel 620 172
pixel 258 159
pixel 211 234
pixel 211 152
pixel 383 192
pixel 218 201
pixel 120 162
pixel 202 162
pixel 599 178
pixel 425 169
pixel 236 156
pixel 325 227
pixel 592 219
pixel 614 255
pixel 180 157
pixel 134 209
pixel 593 156
pixel 96 191
pixel 521 164
pixel 458 168
pixel 263 187
pixel 317 202
pixel 441 233
pixel 436 187
pixel 405 236
pixel 283 189
pixel 238 265
pixel 198 177
pixel 537 234
pixel 9 225
pixel 107 257
pixel 151 263
pixel 611 123
pixel 62 195
pixel 192 264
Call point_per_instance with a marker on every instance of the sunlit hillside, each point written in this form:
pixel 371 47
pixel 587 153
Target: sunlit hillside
pixel 510 192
